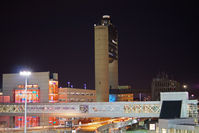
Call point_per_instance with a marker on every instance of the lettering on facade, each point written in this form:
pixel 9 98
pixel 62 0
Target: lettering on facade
pixel 83 108
pixel 43 109
pixel 98 110
pixel 104 109
pixel 138 108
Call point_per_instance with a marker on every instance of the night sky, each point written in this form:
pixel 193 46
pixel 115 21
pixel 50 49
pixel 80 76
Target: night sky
pixel 58 36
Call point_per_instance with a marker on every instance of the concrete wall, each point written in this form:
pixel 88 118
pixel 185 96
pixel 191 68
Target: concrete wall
pixel 177 126
pixel 173 96
pixel 101 64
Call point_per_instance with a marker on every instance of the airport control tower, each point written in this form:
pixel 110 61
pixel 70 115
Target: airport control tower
pixel 106 58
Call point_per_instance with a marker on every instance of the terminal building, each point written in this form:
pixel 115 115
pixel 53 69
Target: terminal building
pixel 76 95
pixel 121 95
pixel 127 93
pixel 42 87
pixel 106 58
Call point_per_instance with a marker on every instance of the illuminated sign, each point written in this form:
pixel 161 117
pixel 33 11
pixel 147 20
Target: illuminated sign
pixel 53 91
pixel 112 98
pixel 32 121
pixel 33 96
pixel 152 127
pixel 53 121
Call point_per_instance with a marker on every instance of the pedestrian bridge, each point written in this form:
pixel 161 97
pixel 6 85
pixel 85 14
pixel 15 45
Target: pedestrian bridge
pixel 143 109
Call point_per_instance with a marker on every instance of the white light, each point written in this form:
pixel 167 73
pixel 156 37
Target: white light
pixel 164 130
pixel 51 82
pixel 25 73
pixel 185 86
pixel 114 41
pixel 106 16
pixel 152 127
pixel 134 121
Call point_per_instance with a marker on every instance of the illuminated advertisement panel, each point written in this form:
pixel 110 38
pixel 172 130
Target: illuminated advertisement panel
pixel 53 121
pixel 112 98
pixel 32 121
pixel 33 96
pixel 53 91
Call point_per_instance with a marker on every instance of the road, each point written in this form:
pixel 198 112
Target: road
pixel 90 127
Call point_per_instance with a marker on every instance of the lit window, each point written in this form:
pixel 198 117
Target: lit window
pixel 164 130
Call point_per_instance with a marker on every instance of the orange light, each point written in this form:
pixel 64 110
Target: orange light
pixel 33 96
pixel 53 91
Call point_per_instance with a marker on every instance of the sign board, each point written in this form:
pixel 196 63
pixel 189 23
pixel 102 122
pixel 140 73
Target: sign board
pixel 152 127
pixel 68 124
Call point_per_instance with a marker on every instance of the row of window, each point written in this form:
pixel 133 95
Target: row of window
pixel 164 83
pixel 76 100
pixel 78 93
pixel 125 95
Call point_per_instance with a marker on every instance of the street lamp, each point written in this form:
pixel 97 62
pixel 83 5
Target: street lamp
pixel 26 74
pixel 185 86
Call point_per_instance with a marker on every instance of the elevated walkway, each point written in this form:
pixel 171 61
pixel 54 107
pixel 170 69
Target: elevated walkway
pixel 144 109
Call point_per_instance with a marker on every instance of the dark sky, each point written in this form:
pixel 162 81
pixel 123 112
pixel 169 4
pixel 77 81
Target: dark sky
pixel 58 36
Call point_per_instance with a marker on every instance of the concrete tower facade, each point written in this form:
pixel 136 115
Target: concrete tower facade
pixel 106 58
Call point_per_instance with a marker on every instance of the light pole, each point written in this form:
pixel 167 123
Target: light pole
pixel 26 74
